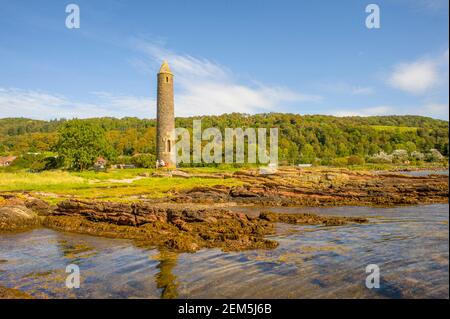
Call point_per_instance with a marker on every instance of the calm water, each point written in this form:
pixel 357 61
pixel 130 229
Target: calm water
pixel 409 244
pixel 418 173
pixel 424 173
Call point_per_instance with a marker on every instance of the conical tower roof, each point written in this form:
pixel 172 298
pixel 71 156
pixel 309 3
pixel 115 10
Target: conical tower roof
pixel 165 68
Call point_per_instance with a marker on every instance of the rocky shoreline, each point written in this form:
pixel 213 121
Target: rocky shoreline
pixel 11 293
pixel 331 187
pixel 200 217
pixel 166 226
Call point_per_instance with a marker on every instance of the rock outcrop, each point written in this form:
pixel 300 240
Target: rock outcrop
pixel 184 229
pixel 17 218
pixel 332 187
pixel 187 228
pixel 11 293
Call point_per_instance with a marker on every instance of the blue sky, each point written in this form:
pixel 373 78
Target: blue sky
pixel 253 56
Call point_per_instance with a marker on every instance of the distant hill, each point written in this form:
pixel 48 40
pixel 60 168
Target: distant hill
pixel 302 138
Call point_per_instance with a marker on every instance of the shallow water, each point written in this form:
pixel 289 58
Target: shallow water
pixel 409 244
pixel 422 173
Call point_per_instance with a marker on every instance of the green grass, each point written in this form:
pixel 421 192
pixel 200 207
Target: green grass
pixel 118 185
pixel 205 170
pixel 45 181
pixel 127 184
pixel 400 129
pixel 113 174
pixel 151 187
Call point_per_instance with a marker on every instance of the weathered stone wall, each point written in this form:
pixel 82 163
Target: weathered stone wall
pixel 165 119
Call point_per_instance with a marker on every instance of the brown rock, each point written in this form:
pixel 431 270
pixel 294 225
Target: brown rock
pixel 39 206
pixel 11 293
pixel 177 173
pixel 16 218
pixel 242 192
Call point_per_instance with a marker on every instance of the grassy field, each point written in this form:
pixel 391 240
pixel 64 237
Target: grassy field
pixel 117 185
pixel 128 184
pixel 400 129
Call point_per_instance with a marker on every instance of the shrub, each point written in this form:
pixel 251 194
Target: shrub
pixel 400 156
pixel 124 159
pixel 434 156
pixel 144 160
pixel 339 162
pixel 38 162
pixel 380 158
pixel 355 160
pixel 418 156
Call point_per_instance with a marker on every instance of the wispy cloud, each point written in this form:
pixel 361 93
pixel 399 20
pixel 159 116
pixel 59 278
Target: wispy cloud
pixel 35 104
pixel 416 77
pixel 127 105
pixel 431 6
pixel 419 77
pixel 342 87
pixel 204 87
pixel 434 110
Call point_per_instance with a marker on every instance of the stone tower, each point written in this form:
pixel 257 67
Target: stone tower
pixel 165 131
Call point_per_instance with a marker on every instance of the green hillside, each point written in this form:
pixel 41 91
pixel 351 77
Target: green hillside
pixel 303 139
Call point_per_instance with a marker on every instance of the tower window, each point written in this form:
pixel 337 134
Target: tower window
pixel 168 146
pixel 167 79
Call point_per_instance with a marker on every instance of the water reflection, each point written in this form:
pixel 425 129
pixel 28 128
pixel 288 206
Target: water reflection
pixel 410 245
pixel 74 252
pixel 165 279
pixel 419 173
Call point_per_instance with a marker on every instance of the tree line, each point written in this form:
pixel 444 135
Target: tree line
pixel 302 139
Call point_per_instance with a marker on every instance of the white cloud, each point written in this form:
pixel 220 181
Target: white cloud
pixel 204 87
pixel 43 105
pixel 127 105
pixel 207 98
pixel 420 76
pixel 434 110
pixel 346 88
pixel 358 90
pixel 416 77
pixel 16 102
